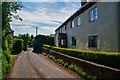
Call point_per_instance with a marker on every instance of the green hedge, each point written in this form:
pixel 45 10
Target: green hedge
pixel 105 58
pixel 7 61
pixel 39 40
pixel 18 46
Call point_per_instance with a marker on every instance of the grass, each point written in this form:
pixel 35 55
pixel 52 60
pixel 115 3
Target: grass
pixel 72 67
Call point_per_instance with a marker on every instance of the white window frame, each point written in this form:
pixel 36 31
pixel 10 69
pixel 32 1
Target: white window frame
pixel 93 14
pixel 73 23
pixel 78 21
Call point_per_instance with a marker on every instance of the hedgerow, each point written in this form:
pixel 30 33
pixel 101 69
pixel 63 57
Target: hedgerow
pixel 7 61
pixel 18 46
pixel 105 58
pixel 39 40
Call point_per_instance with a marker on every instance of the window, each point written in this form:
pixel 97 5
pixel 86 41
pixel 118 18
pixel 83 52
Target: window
pixel 88 0
pixel 62 30
pixel 93 14
pixel 74 41
pixel 92 41
pixel 72 24
pixel 58 31
pixel 65 27
pixel 62 42
pixel 78 21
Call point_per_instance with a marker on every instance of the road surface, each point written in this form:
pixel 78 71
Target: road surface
pixel 31 65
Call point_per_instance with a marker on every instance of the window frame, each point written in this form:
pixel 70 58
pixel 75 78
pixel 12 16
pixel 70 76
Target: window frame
pixel 65 27
pixel 93 14
pixel 78 22
pixel 93 44
pixel 72 24
pixel 74 42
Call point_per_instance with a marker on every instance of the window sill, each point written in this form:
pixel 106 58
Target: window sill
pixel 92 47
pixel 92 20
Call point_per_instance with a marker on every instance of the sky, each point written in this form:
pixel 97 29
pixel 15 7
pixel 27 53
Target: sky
pixel 47 16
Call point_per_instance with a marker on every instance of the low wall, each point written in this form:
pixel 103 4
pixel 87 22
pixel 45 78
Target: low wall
pixel 101 71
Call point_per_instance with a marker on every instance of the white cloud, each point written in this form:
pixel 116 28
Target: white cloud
pixel 52 29
pixel 22 27
pixel 43 15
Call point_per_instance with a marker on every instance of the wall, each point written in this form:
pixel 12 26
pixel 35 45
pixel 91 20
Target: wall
pixel 105 27
pixel 102 72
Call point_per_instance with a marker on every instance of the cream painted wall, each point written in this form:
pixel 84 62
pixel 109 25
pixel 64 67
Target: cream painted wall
pixel 106 27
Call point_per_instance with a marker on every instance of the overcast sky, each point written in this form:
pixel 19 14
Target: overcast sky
pixel 47 16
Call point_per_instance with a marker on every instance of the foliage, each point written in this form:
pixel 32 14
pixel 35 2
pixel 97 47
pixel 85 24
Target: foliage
pixel 9 10
pixel 26 38
pixel 39 40
pixel 105 58
pixel 7 61
pixel 72 67
pixel 18 46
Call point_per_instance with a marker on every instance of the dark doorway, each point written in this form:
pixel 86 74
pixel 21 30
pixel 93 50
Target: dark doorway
pixel 62 40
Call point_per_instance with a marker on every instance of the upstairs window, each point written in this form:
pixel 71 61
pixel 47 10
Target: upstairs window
pixel 62 30
pixel 92 41
pixel 78 21
pixel 74 41
pixel 72 24
pixel 93 14
pixel 65 27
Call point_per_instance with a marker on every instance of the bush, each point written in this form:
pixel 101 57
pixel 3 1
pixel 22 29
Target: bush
pixel 104 58
pixel 18 46
pixel 39 40
pixel 7 61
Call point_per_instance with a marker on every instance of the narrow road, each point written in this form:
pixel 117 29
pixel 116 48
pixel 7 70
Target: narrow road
pixel 31 65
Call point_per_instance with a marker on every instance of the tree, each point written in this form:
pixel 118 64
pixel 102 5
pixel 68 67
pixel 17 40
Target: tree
pixel 39 40
pixel 26 38
pixel 9 10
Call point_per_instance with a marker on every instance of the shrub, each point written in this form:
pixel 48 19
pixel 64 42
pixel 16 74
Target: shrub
pixel 39 40
pixel 104 58
pixel 66 65
pixel 18 46
pixel 7 61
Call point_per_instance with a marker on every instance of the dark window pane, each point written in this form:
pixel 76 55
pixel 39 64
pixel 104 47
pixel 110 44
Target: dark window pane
pixel 73 41
pixel 92 41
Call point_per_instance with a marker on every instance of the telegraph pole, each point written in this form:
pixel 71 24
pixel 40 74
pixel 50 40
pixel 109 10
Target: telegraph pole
pixel 36 31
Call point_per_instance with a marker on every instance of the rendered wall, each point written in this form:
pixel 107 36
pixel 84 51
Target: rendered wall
pixel 106 27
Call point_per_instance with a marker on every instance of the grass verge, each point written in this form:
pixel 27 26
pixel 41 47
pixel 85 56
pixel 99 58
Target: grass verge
pixel 72 67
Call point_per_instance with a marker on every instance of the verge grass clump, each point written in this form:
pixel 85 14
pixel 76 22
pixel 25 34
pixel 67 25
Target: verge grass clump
pixel 74 68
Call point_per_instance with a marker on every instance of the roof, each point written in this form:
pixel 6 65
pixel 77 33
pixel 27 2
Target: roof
pixel 79 11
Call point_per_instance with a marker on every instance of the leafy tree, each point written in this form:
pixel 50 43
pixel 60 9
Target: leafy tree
pixel 9 10
pixel 39 40
pixel 26 38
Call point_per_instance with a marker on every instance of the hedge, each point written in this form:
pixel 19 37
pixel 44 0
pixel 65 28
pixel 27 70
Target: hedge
pixel 18 46
pixel 111 59
pixel 7 61
pixel 39 40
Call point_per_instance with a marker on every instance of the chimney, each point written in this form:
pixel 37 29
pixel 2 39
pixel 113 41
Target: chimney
pixel 83 2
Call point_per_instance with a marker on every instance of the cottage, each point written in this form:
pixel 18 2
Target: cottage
pixel 93 27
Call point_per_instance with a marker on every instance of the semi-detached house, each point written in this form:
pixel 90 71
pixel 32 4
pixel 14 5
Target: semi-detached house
pixel 95 26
